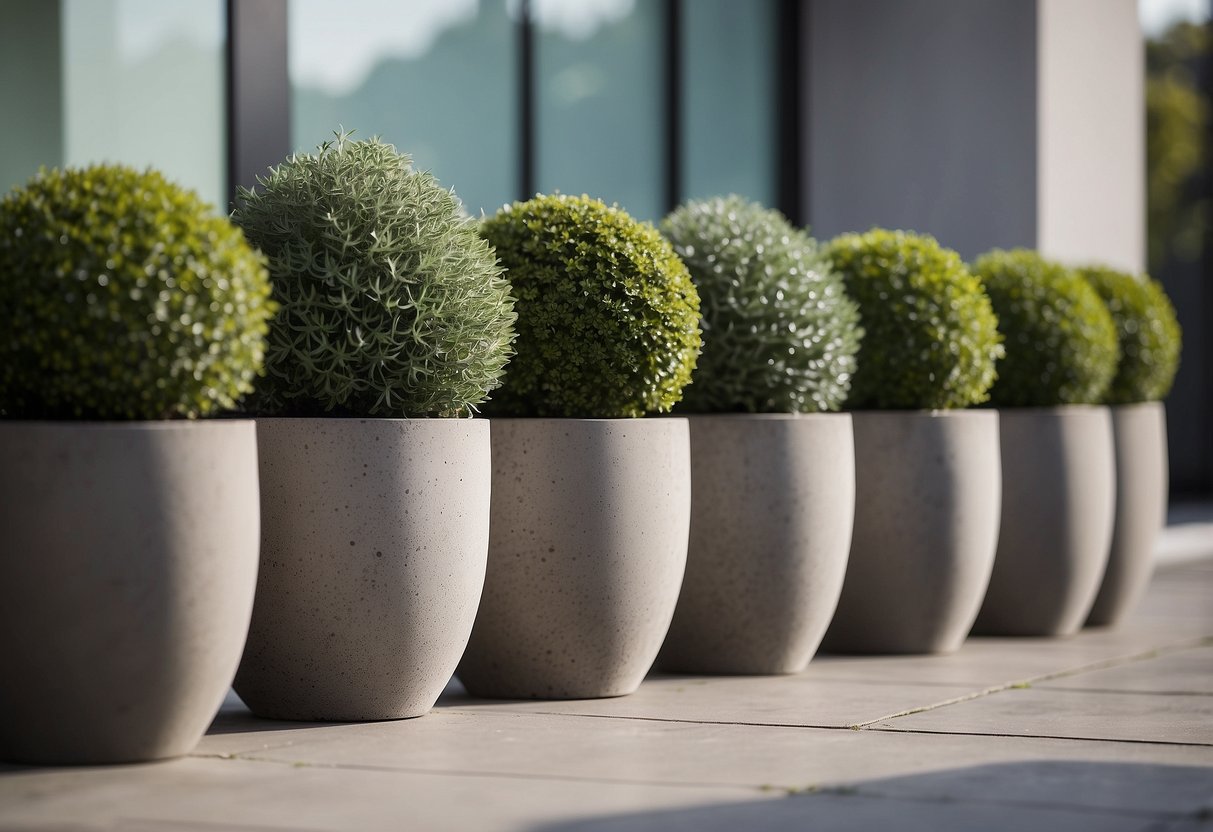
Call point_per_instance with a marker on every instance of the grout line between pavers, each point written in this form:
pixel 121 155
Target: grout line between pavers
pixel 1181 743
pixel 1102 664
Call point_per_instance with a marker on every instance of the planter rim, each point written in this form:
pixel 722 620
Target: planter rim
pixel 132 425
pixel 364 419
pixel 771 417
pixel 564 420
pixel 1055 410
pixel 1150 403
pixel 955 413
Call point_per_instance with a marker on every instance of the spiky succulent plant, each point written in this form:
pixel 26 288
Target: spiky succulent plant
pixel 930 336
pixel 124 296
pixel 780 333
pixel 1060 338
pixel 608 318
pixel 1147 330
pixel 392 304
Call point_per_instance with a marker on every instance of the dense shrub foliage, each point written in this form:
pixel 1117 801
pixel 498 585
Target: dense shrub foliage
pixel 930 336
pixel 392 304
pixel 779 332
pixel 124 296
pixel 1060 338
pixel 608 318
pixel 1148 334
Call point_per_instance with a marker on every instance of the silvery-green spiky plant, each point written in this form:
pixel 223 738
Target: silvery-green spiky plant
pixel 124 296
pixel 392 303
pixel 779 332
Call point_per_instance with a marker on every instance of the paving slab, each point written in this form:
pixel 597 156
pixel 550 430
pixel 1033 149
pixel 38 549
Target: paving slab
pixel 1187 672
pixel 218 794
pixel 855 813
pixel 797 700
pixel 1079 714
pixel 1146 778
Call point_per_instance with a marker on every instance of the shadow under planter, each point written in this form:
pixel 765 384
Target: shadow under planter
pixel 1140 434
pixel 1059 497
pixel 772 503
pixel 927 496
pixel 372 562
pixel 587 550
pixel 128 562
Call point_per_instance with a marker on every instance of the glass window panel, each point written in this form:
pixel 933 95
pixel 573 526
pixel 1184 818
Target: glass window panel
pixel 600 107
pixel 728 102
pixel 133 81
pixel 436 78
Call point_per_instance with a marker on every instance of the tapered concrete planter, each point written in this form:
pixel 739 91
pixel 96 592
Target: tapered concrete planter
pixel 1059 498
pixel 372 562
pixel 587 552
pixel 1140 434
pixel 772 503
pixel 128 559
pixel 927 496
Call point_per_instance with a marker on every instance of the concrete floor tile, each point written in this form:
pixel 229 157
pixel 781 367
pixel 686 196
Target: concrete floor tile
pixel 853 813
pixel 260 796
pixel 1045 712
pixel 1181 671
pixel 1148 779
pixel 799 700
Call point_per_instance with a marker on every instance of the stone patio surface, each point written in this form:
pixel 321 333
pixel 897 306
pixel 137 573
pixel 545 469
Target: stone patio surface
pixel 1108 731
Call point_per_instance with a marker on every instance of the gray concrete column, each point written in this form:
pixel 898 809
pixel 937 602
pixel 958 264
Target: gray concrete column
pixel 984 122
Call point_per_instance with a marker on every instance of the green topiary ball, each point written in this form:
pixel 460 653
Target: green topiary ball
pixel 1060 339
pixel 1148 333
pixel 930 336
pixel 124 296
pixel 392 304
pixel 608 318
pixel 780 334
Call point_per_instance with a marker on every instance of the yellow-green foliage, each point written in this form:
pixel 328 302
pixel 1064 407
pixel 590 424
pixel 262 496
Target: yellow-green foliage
pixel 930 336
pixel 1060 338
pixel 124 296
pixel 608 318
pixel 1148 331
pixel 780 333
pixel 392 304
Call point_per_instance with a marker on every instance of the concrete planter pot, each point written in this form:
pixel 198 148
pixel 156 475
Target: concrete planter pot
pixel 1059 498
pixel 372 562
pixel 586 556
pixel 772 503
pixel 128 561
pixel 1140 434
pixel 927 496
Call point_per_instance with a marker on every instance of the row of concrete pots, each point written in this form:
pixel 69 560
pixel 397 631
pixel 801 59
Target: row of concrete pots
pixel 126 614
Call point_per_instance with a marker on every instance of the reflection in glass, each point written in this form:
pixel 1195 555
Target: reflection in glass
pixel 133 81
pixel 600 101
pixel 436 78
pixel 728 101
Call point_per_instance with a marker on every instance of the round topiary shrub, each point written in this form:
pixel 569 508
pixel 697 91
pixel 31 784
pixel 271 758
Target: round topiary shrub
pixel 1148 334
pixel 1060 339
pixel 780 334
pixel 608 318
pixel 124 296
pixel 930 336
pixel 392 304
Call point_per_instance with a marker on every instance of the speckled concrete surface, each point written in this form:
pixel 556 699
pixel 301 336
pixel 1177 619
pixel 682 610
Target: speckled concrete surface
pixel 375 534
pixel 1104 731
pixel 772 505
pixel 927 504
pixel 587 548
pixel 1058 510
